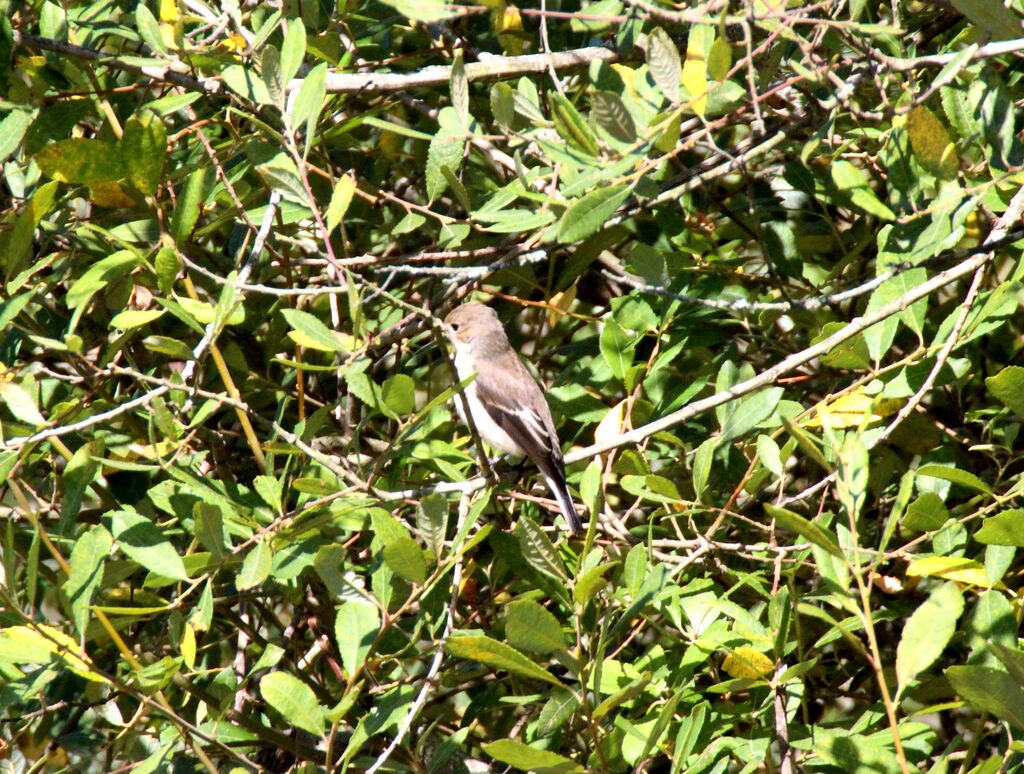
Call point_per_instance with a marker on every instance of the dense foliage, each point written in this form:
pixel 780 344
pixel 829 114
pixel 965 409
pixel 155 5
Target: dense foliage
pixel 764 254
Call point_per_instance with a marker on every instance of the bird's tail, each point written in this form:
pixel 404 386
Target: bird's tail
pixel 565 504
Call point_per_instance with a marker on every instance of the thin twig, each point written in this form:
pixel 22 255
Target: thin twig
pixel 435 664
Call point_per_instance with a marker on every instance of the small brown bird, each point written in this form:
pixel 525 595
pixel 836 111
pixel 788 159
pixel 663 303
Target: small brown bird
pixel 508 407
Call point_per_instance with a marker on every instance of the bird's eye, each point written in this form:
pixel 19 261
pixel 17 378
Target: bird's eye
pixel 455 327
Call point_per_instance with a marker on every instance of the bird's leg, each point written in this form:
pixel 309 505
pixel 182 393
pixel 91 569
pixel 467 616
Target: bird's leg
pixel 520 470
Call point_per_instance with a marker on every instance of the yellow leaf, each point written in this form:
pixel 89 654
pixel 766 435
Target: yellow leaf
pixel 41 643
pixel 953 568
pixel 695 70
pixel 171 28
pixel 612 424
pixel 109 194
pixel 169 11
pixel 853 409
pixel 559 304
pixel 508 25
pixel 748 664
pixel 341 198
pixel 188 646
pixel 931 143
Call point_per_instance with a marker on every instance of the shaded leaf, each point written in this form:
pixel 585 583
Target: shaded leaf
pixel 143 542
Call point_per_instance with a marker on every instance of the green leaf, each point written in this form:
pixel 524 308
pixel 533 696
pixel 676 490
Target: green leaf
pixel 652 487
pixel 386 528
pixel 143 542
pixel 989 690
pixel 634 571
pixel 12 132
pixel 539 551
pixel 588 215
pixel 599 17
pixel 590 582
pixel 702 461
pixel 167 266
pixel 522 756
pixel 851 183
pixel 246 84
pixel 446 149
pixel 927 632
pixel 87 560
pixel 749 412
pixel 405 558
pixel 168 346
pixel 99 275
pixel 399 393
pixel 628 692
pixel 80 160
pixel 664 63
pixel 144 148
pixel 953 475
pixel 514 221
pixel 186 212
pixel 617 348
pixel 503 106
pixel 855 752
pixel 556 711
pixel 269 490
pixel 852 476
pixel 719 58
pixel 570 125
pixel 459 86
pixel 293 49
pixel 432 521
pixel 206 314
pixel 478 647
pixel 282 175
pixel 209 529
pixel 356 627
pixel 422 10
pixel 531 627
pixel 293 700
pixel 270 71
pixel 927 512
pixel 308 331
pixel 12 307
pixel 308 103
pixel 770 455
pixel 808 530
pixel 149 28
pixel 992 18
pixel 135 318
pixel 16 242
pixel 256 566
pixel 21 404
pixel 1003 529
pixel 1008 387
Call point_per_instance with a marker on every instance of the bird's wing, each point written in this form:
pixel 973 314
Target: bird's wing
pixel 515 402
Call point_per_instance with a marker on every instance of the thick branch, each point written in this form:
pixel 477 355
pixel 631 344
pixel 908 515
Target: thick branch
pixel 493 68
